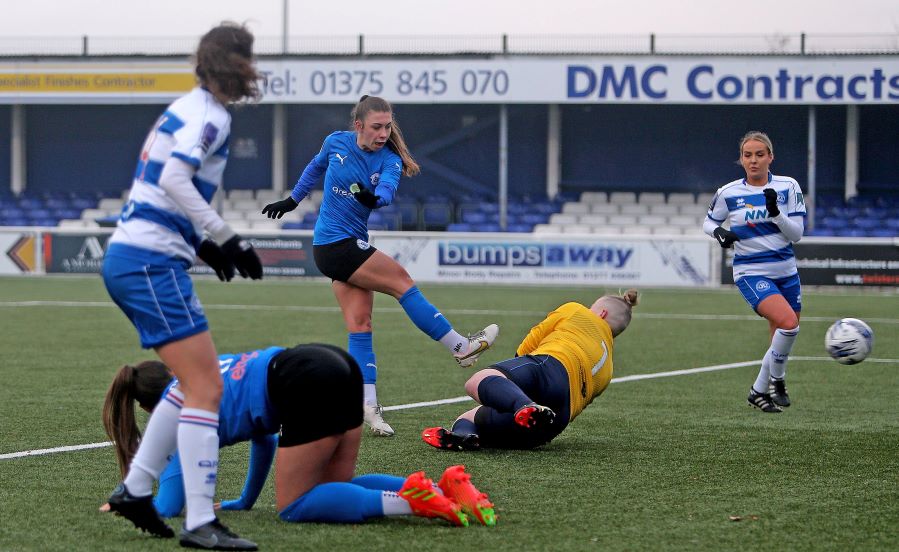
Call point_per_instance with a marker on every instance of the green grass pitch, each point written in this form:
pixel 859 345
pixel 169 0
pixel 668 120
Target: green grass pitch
pixel 673 463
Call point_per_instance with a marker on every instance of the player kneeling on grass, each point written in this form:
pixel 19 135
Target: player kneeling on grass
pixel 561 366
pixel 312 395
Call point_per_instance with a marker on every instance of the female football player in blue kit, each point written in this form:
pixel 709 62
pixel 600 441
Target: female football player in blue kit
pixel 362 169
pixel 560 367
pixel 158 237
pixel 312 395
pixel 766 217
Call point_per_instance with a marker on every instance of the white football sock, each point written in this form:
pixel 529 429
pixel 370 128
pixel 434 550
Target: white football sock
pixel 761 381
pixel 781 345
pixel 198 447
pixel 369 393
pixel 394 504
pixel 156 446
pixel 455 342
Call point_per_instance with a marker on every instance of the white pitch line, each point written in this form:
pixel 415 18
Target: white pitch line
pixel 623 379
pixel 39 452
pixel 460 312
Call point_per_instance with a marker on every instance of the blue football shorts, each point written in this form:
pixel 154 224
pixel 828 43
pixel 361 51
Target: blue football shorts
pixel 159 300
pixel 756 288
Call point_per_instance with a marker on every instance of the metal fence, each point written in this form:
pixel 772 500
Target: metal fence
pixel 469 45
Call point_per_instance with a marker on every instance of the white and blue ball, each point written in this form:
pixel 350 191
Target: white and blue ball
pixel 849 340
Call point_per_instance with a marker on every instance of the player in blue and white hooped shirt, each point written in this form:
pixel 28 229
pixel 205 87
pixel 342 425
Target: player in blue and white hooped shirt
pixel 158 237
pixel 311 395
pixel 361 174
pixel 766 215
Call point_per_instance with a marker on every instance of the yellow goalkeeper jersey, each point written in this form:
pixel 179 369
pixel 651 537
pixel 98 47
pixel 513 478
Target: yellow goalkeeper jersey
pixel 582 342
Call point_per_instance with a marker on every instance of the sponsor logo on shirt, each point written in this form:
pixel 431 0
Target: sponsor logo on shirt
pixel 210 133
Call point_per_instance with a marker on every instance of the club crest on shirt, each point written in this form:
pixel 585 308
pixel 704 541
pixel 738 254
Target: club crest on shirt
pixel 374 179
pixel 210 133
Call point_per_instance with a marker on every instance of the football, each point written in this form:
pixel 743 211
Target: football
pixel 849 340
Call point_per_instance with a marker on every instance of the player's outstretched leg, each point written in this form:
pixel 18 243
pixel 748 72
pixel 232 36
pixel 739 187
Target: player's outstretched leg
pixel 425 501
pixel 456 484
pixel 139 511
pixel 477 344
pixel 214 536
pixel 534 415
pixel 442 438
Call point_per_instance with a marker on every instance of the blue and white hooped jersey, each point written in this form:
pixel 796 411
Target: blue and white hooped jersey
pixel 245 411
pixel 340 215
pixel 195 129
pixel 762 250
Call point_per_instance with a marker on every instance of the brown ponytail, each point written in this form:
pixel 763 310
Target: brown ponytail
pixel 144 384
pixel 395 141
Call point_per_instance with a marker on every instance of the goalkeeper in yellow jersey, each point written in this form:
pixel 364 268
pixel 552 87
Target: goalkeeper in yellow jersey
pixel 563 363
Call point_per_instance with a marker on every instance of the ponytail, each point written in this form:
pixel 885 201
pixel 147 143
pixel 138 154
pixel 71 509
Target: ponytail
pixel 144 384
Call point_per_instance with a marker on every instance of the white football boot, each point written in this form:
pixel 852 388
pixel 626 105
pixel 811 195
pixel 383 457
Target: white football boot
pixel 372 416
pixel 477 344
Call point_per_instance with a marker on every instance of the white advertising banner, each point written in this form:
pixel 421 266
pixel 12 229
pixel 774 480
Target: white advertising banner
pixel 540 80
pixel 694 80
pixel 473 258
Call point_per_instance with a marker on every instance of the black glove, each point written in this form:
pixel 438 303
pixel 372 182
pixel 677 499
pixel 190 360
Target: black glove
pixel 725 238
pixel 211 254
pixel 771 202
pixel 363 196
pixel 244 257
pixel 278 208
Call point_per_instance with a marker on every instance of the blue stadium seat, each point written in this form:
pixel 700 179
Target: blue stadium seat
pixel 436 216
pixel 292 226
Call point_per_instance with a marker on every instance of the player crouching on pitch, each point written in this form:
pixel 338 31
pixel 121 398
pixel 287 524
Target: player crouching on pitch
pixel 561 366
pixel 271 391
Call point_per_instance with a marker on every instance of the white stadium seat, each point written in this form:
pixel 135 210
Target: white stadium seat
pixel 607 230
pixel 667 230
pixel 547 229
pixel 623 220
pixel 577 229
pixel 593 220
pixel 664 209
pixel 604 209
pixel 651 198
pixel 594 197
pixel 634 209
pixel 622 197
pixel 562 219
pixel 575 208
pixel 681 198
pixel 653 220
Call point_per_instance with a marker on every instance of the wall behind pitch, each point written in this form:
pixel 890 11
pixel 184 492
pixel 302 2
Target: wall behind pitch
pixel 87 148
pixel 250 149
pixel 673 147
pixel 879 145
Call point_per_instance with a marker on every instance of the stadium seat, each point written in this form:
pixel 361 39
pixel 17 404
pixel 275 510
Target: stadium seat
pixel 240 194
pixel 664 209
pixel 622 198
pixel 634 209
pixel 562 219
pixel 577 229
pixel 594 197
pixel 436 216
pixel 572 208
pixel 604 209
pixel 593 220
pixel 607 230
pixel 547 229
pixel 681 198
pixel 651 198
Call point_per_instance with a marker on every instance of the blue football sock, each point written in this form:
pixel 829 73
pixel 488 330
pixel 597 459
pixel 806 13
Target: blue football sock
pixel 335 503
pixel 465 427
pixel 423 314
pixel 361 349
pixel 501 394
pixel 379 482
